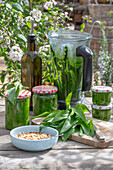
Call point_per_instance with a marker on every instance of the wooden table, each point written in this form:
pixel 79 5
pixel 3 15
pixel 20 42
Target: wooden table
pixel 64 156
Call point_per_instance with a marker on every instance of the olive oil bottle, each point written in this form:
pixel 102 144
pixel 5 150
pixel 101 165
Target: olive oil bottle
pixel 31 66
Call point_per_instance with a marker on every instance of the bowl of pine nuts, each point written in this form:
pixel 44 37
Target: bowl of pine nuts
pixel 30 138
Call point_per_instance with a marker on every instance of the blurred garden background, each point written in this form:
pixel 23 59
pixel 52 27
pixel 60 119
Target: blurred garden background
pixel 18 16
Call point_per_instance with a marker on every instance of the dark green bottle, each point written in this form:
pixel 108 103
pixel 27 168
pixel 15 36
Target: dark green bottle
pixel 31 66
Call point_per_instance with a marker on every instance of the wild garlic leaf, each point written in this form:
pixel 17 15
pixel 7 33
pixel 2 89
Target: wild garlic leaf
pixel 14 92
pixel 81 132
pixel 62 114
pixel 85 127
pixel 60 125
pixel 41 115
pixel 67 134
pixel 51 115
pixel 12 97
pixel 79 111
pixel 67 125
pixel 68 100
pixel 92 132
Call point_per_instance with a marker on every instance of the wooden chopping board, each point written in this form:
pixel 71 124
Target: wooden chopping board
pixel 105 127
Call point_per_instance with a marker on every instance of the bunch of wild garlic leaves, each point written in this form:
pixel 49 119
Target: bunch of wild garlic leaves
pixel 68 121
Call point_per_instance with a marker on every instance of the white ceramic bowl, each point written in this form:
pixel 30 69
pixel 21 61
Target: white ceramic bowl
pixel 33 145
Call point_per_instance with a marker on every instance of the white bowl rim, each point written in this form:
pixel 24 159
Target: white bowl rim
pixel 26 140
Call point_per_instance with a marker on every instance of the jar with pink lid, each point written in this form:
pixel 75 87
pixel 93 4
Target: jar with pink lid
pixel 101 112
pixel 17 114
pixel 44 99
pixel 101 95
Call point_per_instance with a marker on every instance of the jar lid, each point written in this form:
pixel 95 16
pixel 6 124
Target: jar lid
pixel 102 89
pixel 102 107
pixel 44 89
pixel 22 94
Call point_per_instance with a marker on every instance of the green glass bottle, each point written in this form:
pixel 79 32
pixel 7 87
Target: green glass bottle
pixel 31 66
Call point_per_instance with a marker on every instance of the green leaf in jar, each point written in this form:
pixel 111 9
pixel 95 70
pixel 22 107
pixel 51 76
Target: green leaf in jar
pixel 68 100
pixel 14 92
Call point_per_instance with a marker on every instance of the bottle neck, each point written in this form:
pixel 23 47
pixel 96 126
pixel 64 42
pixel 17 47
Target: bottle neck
pixel 31 46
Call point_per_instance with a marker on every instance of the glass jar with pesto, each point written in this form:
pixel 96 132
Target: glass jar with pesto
pixel 101 95
pixel 17 114
pixel 44 99
pixel 101 112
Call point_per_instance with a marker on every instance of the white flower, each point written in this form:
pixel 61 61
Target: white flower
pixel 26 2
pixel 62 14
pixel 71 9
pixel 15 53
pixel 36 14
pixel 20 19
pixel 29 18
pixel 44 48
pixel 54 2
pixel 48 5
pixel 2 2
pixel 46 18
pixel 66 14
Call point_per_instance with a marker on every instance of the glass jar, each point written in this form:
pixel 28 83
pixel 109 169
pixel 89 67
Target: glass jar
pixel 71 64
pixel 101 95
pixel 101 112
pixel 17 114
pixel 44 99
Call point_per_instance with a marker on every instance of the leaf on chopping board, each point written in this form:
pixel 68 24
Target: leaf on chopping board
pixel 81 132
pixel 51 115
pixel 41 115
pixel 67 134
pixel 67 125
pixel 79 111
pixel 92 132
pixel 62 114
pixel 59 127
pixel 85 127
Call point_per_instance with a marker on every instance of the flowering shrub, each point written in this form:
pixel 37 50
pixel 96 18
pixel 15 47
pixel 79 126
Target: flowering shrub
pixel 16 23
pixel 104 63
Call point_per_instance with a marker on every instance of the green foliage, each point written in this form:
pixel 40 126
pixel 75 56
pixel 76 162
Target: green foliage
pixel 16 18
pixel 69 121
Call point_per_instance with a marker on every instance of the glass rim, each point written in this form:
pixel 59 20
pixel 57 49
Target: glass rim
pixel 67 34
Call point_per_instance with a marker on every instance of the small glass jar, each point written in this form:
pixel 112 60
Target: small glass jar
pixel 44 99
pixel 17 114
pixel 101 112
pixel 101 95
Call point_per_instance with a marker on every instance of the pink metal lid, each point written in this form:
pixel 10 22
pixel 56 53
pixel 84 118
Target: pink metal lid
pixel 102 89
pixel 44 89
pixel 22 94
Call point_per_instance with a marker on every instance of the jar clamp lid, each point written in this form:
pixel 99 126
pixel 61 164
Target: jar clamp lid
pixel 102 107
pixel 22 94
pixel 102 89
pixel 44 89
